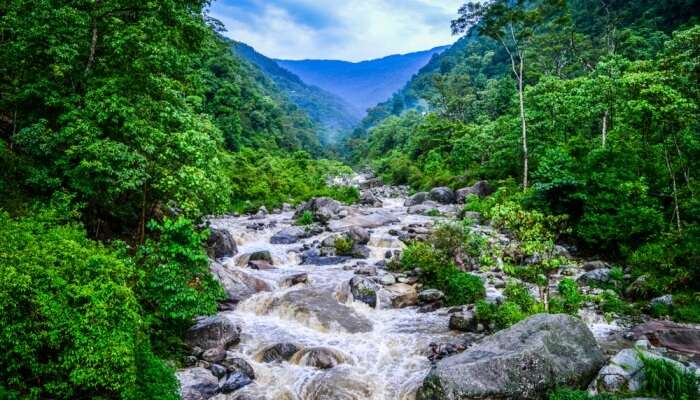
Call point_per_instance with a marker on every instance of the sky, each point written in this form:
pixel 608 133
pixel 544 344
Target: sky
pixel 350 30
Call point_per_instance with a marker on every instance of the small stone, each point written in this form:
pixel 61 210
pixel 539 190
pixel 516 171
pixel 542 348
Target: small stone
pixel 219 371
pixel 430 295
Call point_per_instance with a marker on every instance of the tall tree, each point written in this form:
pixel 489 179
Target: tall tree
pixel 513 24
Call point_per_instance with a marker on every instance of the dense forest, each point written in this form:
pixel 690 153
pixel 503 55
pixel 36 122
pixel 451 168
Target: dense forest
pixel 589 108
pixel 121 124
pixel 124 123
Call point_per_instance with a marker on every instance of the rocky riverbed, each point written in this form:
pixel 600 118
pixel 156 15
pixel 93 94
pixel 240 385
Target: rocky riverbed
pixel 313 314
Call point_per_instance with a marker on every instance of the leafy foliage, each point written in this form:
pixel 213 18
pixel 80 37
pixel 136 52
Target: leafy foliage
pixel 667 380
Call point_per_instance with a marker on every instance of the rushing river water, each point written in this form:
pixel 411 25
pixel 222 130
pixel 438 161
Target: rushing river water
pixel 387 362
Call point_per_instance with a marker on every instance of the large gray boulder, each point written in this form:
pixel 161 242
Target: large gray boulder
pixel 522 362
pixel 238 284
pixel 320 310
pixel 221 244
pixel 197 383
pixel 289 235
pixel 416 199
pixel 481 189
pixel 322 208
pixel 442 195
pixel 213 332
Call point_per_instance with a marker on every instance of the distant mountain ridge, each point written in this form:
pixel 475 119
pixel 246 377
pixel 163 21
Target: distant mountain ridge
pixel 362 84
pixel 333 117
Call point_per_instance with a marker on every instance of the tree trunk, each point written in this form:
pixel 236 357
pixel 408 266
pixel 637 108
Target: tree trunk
pixel 605 128
pixel 523 124
pixel 93 42
pixel 676 210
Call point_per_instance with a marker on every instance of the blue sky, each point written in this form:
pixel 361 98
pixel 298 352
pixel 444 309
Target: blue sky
pixel 350 30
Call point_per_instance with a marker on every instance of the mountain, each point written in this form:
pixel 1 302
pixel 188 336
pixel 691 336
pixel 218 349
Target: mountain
pixel 333 116
pixel 362 84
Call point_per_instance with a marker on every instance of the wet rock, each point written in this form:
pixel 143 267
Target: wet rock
pixel 624 372
pixel 595 277
pixel 336 384
pixel 425 208
pixel 442 195
pixel 260 265
pixel 213 332
pixel 677 337
pixel 365 270
pixel 494 296
pixel 312 257
pixel 666 300
pixel 323 209
pixel 238 284
pixel 214 354
pixel 358 234
pixel 277 352
pixel 416 199
pixel 289 235
pixel 319 357
pixel 430 295
pixel 464 321
pixel 197 383
pixel 233 363
pixel 360 251
pixel 221 244
pixel 387 279
pixel 524 362
pixel 263 255
pixel 593 265
pixel 219 371
pixel 364 290
pixel 401 295
pixel 365 220
pixel 294 279
pixel 234 382
pixel 321 310
pixel 367 198
pixel 481 189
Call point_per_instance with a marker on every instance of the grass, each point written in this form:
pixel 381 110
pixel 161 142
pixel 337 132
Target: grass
pixel 307 218
pixel 666 380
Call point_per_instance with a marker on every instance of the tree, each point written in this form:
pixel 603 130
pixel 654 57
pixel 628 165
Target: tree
pixel 514 24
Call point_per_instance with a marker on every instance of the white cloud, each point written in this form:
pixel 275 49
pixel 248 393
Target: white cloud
pixel 351 30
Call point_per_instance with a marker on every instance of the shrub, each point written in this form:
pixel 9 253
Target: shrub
pixel 306 218
pixel 177 285
pixel 666 380
pixel 440 273
pixel 569 299
pixel 343 245
pixel 71 326
pixel 502 316
pixel 519 294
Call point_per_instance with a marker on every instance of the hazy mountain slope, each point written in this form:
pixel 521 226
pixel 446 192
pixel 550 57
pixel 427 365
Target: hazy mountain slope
pixel 333 116
pixel 363 84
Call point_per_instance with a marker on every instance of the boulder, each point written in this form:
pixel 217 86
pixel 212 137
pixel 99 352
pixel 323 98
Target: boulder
pixel 416 199
pixel 624 372
pixel 319 357
pixel 289 235
pixel 401 295
pixel 364 290
pixel 464 321
pixel 197 383
pixel 358 234
pixel 294 279
pixel 323 209
pixel 217 332
pixel 481 189
pixel 339 383
pixel 523 362
pixel 367 198
pixel 430 295
pixel 214 355
pixel 321 310
pixel 592 265
pixel 367 220
pixel 666 300
pixel 221 244
pixel 233 363
pixel 234 382
pixel 425 208
pixel 277 352
pixel 681 338
pixel 262 255
pixel 313 257
pixel 360 251
pixel 442 195
pixel 238 284
pixel 595 277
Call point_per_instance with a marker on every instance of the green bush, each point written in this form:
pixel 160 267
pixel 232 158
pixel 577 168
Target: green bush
pixel 502 316
pixel 71 326
pixel 343 245
pixel 177 285
pixel 666 380
pixel 519 294
pixel 439 272
pixel 306 218
pixel 569 300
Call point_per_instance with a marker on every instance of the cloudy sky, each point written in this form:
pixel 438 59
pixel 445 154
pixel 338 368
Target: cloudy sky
pixel 350 30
